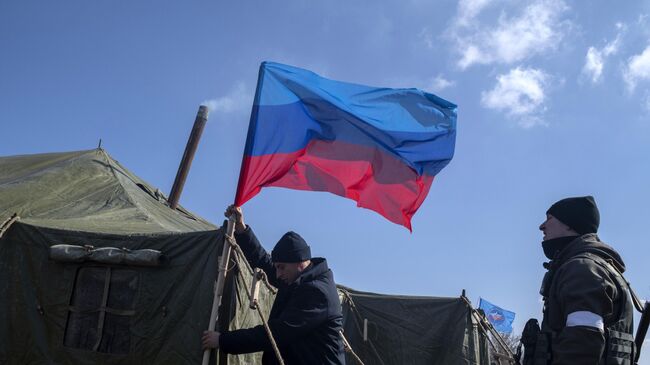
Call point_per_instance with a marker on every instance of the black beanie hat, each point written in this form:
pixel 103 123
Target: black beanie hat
pixel 291 248
pixel 579 213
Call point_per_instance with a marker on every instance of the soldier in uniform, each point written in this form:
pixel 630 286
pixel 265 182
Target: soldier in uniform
pixel 587 305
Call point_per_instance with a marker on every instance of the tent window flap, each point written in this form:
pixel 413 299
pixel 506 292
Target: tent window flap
pixel 100 309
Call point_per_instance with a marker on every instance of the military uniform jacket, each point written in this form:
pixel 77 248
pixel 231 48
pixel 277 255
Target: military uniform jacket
pixel 587 310
pixel 305 319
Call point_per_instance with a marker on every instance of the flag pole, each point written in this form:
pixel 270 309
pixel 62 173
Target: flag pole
pixel 221 280
pixel 243 169
pixel 230 230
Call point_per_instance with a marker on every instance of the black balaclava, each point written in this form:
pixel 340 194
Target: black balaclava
pixel 579 213
pixel 554 245
pixel 291 248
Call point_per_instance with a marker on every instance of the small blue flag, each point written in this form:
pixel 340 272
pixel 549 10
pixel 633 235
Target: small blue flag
pixel 500 318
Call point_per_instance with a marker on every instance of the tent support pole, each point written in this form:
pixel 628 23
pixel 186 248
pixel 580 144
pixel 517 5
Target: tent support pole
pixel 221 280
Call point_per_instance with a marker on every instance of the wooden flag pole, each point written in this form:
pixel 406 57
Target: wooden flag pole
pixel 221 280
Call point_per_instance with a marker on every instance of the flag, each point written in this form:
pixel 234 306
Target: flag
pixel 500 318
pixel 378 146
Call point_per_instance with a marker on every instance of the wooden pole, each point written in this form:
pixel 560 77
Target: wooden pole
pixel 188 156
pixel 221 280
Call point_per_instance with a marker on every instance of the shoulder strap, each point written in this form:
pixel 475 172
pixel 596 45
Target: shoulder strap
pixel 616 272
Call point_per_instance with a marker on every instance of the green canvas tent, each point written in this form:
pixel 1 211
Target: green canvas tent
pixel 415 330
pixel 95 267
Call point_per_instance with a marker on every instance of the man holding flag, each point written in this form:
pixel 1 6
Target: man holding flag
pixel 306 316
pixel 381 147
pixel 378 146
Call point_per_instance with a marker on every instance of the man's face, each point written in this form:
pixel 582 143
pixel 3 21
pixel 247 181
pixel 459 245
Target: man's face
pixel 287 272
pixel 553 228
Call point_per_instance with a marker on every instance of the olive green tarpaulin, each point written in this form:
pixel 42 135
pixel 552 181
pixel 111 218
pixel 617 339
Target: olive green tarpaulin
pixel 411 330
pixel 53 311
pixel 56 312
pixel 87 191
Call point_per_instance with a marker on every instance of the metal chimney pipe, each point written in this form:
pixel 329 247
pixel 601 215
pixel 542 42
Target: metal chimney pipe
pixel 188 156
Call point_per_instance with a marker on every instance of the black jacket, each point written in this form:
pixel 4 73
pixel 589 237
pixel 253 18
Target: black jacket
pixel 579 280
pixel 305 318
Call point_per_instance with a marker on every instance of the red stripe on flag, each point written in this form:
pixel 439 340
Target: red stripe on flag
pixel 375 179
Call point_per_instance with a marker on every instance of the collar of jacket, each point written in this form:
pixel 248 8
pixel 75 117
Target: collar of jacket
pixel 317 268
pixel 560 257
pixel 587 243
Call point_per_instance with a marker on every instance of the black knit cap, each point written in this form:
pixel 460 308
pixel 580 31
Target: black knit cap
pixel 291 248
pixel 579 213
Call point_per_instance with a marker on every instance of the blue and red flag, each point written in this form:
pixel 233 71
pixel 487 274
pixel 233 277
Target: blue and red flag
pixel 378 146
pixel 500 318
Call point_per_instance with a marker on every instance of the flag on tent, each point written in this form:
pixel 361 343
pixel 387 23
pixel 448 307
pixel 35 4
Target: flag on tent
pixel 500 318
pixel 378 146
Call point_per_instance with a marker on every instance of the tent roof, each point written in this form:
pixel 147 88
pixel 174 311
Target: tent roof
pixel 379 296
pixel 87 191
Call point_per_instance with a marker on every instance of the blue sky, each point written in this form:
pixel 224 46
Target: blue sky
pixel 553 101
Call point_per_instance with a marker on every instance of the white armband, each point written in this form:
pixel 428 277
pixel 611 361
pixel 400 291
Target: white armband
pixel 585 318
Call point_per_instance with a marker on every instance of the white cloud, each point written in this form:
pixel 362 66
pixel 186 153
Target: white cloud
pixel 469 9
pixel 536 30
pixel 637 69
pixel 239 99
pixel 439 83
pixel 612 47
pixel 471 55
pixel 521 94
pixel 595 58
pixel 593 64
